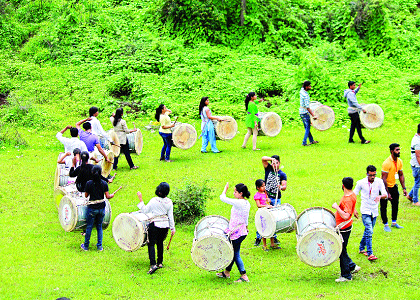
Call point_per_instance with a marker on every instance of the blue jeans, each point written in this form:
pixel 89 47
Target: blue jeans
pixel 208 135
pixel 167 144
pixel 274 203
pixel 94 216
pixel 366 241
pixel 236 255
pixel 414 193
pixel 306 119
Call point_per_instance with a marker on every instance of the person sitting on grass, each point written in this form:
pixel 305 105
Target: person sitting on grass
pixel 262 200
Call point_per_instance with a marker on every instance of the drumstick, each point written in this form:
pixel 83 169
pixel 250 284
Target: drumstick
pixel 170 240
pixel 175 120
pixel 117 190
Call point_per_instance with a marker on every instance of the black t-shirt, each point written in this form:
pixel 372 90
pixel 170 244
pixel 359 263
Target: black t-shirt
pixel 271 184
pixel 96 192
pixel 83 176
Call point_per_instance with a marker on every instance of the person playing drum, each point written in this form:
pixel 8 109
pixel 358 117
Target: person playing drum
pixel 207 127
pixel 161 210
pixel 96 125
pixel 162 116
pixel 251 120
pixel 238 227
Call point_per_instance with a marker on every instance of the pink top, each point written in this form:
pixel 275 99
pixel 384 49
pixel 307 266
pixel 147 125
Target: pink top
pixel 262 197
pixel 238 216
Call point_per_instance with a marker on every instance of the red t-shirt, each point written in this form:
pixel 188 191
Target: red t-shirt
pixel 347 204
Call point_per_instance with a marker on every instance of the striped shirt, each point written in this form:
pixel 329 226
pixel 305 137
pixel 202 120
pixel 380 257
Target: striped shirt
pixel 304 101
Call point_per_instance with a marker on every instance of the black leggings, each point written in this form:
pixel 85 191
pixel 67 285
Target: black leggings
pixel 394 203
pixel 156 236
pixel 355 124
pixel 126 151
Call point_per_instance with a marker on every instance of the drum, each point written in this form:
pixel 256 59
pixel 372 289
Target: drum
pixel 270 123
pixel 107 166
pixel 278 219
pixel 184 135
pixel 319 244
pixel 325 116
pixel 226 129
pixel 103 141
pixel 61 177
pixel 130 230
pixel 212 249
pixel 374 116
pixel 72 213
pixel 135 141
pixel 116 147
pixel 62 191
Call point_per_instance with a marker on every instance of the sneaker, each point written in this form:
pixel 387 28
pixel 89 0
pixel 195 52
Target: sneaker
pixel 387 229
pixel 276 241
pixel 83 247
pixel 265 248
pixel 257 242
pixel 396 226
pixel 342 279
pixel 100 248
pixel 275 247
pixel 168 160
pixel 356 269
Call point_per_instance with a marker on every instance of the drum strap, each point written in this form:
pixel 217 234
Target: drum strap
pixel 147 227
pixel 342 224
pixel 234 229
pixel 95 201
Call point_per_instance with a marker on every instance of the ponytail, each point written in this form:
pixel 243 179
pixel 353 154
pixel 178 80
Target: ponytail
pixel 242 188
pixel 248 98
pixel 159 112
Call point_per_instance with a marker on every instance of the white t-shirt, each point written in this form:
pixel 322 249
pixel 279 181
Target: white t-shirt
pixel 415 145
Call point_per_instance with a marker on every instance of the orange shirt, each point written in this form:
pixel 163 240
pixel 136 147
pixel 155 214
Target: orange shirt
pixel 347 204
pixel 392 168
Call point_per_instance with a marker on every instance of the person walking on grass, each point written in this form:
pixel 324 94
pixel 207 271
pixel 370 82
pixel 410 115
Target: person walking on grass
pixel 162 116
pixel 97 127
pixel 345 210
pixel 207 126
pixel 353 111
pixel 372 190
pixel 392 169
pixel 413 196
pixel 238 227
pixel 304 112
pixel 251 120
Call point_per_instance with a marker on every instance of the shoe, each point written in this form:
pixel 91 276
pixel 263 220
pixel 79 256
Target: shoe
pixel 152 269
pixel 366 142
pixel 242 280
pixel 168 160
pixel 160 266
pixel 305 145
pixel 256 149
pixel 243 147
pixel 356 269
pixel 364 252
pixel 387 229
pixel 222 275
pixel 416 204
pixel 314 142
pixel 134 168
pixel 265 248
pixel 275 247
pixel 342 279
pixel 100 248
pixel 218 152
pixel 372 257
pixel 351 142
pixel 396 226
pixel 276 241
pixel 162 159
pixel 83 247
pixel 257 242
pixel 204 152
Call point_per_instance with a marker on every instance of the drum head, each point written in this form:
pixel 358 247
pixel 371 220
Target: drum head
pixel 265 222
pixel 67 213
pixel 325 117
pixel 138 141
pixel 57 177
pixel 212 253
pixel 374 116
pixel 226 129
pixel 184 136
pixel 59 193
pixel 271 124
pixel 114 138
pixel 128 232
pixel 319 247
pixel 107 166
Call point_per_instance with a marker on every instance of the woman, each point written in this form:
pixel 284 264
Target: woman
pixel 161 210
pixel 238 227
pixel 96 190
pixel 162 116
pixel 120 128
pixel 251 120
pixel 207 127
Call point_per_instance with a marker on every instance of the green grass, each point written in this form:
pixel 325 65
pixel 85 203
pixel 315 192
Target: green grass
pixel 41 261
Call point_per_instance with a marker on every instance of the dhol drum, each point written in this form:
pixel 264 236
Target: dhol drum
pixel 107 166
pixel 135 141
pixel 325 116
pixel 62 191
pixel 374 116
pixel 61 176
pixel 270 123
pixel 72 213
pixel 319 243
pixel 103 141
pixel 184 136
pixel 130 230
pixel 226 129
pixel 278 219
pixel 116 147
pixel 212 249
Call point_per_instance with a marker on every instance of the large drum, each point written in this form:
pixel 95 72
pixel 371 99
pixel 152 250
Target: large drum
pixel 130 230
pixel 184 135
pixel 107 166
pixel 62 191
pixel 103 141
pixel 319 243
pixel 226 129
pixel 135 141
pixel 72 213
pixel 270 123
pixel 116 147
pixel 325 116
pixel 374 116
pixel 61 177
pixel 278 219
pixel 212 249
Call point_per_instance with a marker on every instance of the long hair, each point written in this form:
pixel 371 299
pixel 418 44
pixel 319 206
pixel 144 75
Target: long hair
pixel 118 116
pixel 242 188
pixel 159 112
pixel 248 98
pixel 84 169
pixel 202 104
pixel 96 176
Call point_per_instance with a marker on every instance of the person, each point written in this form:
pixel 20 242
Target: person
pixel 162 116
pixel 120 128
pixel 161 211
pixel 97 127
pixel 392 169
pixel 372 190
pixel 304 111
pixel 413 196
pixel 251 120
pixel 90 139
pixel 262 200
pixel 96 190
pixel 70 143
pixel 353 111
pixel 64 158
pixel 238 227
pixel 207 126
pixel 345 210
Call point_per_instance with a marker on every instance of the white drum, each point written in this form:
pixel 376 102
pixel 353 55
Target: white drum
pixel 278 219
pixel 116 147
pixel 325 116
pixel 135 141
pixel 374 116
pixel 270 123
pixel 184 135
pixel 226 129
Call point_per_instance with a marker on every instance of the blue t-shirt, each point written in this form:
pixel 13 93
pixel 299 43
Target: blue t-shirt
pixel 89 138
pixel 271 183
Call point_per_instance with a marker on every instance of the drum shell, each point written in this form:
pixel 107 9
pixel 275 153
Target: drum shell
pixel 107 166
pixel 184 135
pixel 135 141
pixel 374 117
pixel 313 218
pixel 279 219
pixel 103 141
pixel 226 129
pixel 325 116
pixel 270 124
pixel 114 137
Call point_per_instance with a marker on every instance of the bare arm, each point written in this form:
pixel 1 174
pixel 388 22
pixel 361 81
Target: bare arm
pixel 69 126
pixel 102 152
pixel 61 159
pixel 210 116
pixel 384 176
pixel 81 122
pixel 311 112
pixel 341 212
pixel 283 185
pixel 418 156
pixel 108 195
pixel 402 181
pixel 265 160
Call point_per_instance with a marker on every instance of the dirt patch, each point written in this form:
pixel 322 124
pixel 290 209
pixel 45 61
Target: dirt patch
pixel 3 97
pixel 375 274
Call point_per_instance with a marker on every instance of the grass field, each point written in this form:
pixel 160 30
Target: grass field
pixel 42 261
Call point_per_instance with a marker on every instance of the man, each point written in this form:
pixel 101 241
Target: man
pixel 70 143
pixel 89 138
pixel 372 190
pixel 415 166
pixel 304 112
pixel 344 222
pixel 96 125
pixel 275 182
pixel 392 169
pixel 353 111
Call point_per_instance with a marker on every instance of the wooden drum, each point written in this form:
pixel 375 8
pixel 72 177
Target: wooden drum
pixel 226 129
pixel 278 219
pixel 325 116
pixel 135 141
pixel 270 123
pixel 61 177
pixel 62 191
pixel 374 116
pixel 184 135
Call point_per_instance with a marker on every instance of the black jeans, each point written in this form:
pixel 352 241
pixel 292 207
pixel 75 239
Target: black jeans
pixel 394 203
pixel 346 264
pixel 124 149
pixel 156 237
pixel 355 124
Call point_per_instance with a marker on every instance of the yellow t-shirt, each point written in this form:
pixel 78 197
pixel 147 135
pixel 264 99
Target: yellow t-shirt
pixel 164 121
pixel 389 166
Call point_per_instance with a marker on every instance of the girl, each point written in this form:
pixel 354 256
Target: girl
pixel 162 116
pixel 238 227
pixel 207 127
pixel 161 210
pixel 251 120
